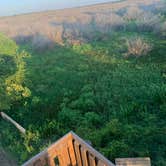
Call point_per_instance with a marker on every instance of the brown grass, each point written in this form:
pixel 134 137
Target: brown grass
pixel 68 24
pixel 137 47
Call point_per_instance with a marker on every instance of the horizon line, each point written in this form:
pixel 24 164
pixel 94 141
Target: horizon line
pixel 58 9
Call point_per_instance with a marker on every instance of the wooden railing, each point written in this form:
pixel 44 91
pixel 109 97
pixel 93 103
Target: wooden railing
pixel 70 150
pixel 13 122
pixel 145 161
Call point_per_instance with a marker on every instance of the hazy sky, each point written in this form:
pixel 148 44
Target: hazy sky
pixel 11 7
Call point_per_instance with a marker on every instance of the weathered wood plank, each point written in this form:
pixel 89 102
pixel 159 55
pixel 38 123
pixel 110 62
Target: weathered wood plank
pixel 72 152
pixel 84 156
pixel 133 161
pixel 92 161
pixel 78 154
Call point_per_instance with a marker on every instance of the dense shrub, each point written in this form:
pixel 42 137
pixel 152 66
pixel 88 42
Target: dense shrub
pixel 41 43
pixel 142 21
pixel 148 22
pixel 7 65
pixel 12 70
pixel 107 23
pixel 133 13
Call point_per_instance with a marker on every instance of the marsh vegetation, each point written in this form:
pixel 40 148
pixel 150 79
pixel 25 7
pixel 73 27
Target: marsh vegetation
pixel 104 79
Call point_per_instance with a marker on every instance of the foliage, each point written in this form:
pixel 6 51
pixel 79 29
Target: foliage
pixel 82 48
pixel 11 73
pixel 117 103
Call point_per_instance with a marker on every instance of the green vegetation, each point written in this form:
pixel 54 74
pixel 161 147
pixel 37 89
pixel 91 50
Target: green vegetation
pixel 117 102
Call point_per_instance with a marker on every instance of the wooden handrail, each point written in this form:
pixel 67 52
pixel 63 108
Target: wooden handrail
pixel 70 150
pixel 145 161
pixel 19 127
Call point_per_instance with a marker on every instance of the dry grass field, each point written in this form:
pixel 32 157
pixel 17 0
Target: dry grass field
pixel 74 23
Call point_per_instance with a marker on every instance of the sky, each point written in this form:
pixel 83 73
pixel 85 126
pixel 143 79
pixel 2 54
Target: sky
pixel 13 7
